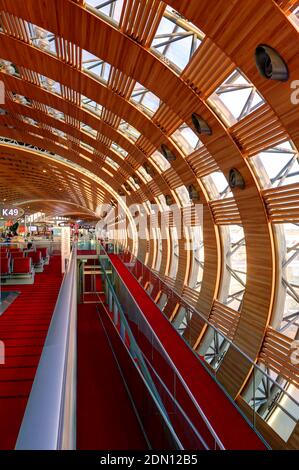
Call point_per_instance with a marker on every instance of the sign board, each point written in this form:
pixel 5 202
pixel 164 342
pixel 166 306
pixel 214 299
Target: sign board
pixel 65 246
pixel 11 212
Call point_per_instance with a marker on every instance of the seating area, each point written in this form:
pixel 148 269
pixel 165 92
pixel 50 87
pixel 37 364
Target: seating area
pixel 19 266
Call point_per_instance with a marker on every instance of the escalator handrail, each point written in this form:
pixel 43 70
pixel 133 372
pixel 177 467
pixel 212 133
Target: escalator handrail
pixel 173 366
pixel 49 422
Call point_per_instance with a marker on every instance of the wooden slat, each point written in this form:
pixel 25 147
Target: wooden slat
pixel 259 131
pixel 225 212
pixel 283 203
pixel 276 354
pixel 225 319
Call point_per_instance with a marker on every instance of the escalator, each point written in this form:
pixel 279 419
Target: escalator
pixel 106 418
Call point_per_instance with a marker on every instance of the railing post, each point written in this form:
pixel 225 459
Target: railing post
pixel 115 314
pixel 110 300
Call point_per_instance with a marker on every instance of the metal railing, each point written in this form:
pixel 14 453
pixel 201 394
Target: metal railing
pixel 120 322
pixel 261 382
pixel 208 436
pixel 49 421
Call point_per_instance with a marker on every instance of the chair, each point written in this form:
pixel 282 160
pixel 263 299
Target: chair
pixel 17 254
pixel 44 254
pixel 4 267
pixel 37 261
pixel 22 271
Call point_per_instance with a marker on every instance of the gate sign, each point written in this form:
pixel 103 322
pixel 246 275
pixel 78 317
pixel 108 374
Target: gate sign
pixel 11 212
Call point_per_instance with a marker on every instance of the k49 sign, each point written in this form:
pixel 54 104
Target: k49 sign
pixel 11 212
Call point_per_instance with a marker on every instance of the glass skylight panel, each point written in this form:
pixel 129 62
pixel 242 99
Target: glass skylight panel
pixel 186 139
pixel 91 105
pixel 119 150
pixel 55 113
pixel 197 260
pixel 95 66
pixel 235 98
pixel 277 166
pixel 50 84
pixel 160 161
pixel 59 133
pixel 41 38
pixel 112 163
pixel 183 196
pixel 21 99
pixel 129 131
pixel 145 99
pixel 235 266
pixel 176 42
pixel 86 146
pixel 289 319
pixel 28 120
pixel 144 175
pixel 133 183
pixel 88 129
pixel 217 186
pixel 110 8
pixel 8 67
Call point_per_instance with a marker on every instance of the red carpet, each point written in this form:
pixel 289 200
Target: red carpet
pixel 105 417
pixel 230 426
pixel 23 329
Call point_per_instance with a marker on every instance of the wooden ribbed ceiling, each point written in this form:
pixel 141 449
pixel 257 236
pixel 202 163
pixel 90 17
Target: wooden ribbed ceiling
pixel 75 91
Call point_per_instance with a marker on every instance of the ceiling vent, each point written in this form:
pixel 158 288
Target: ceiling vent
pixel 200 126
pixel 270 64
pixel 167 153
pixel 235 179
pixel 193 193
pixel 169 200
pixel 148 169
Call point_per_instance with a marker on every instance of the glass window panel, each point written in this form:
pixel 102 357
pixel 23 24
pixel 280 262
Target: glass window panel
pixel 277 166
pixel 111 9
pixel 160 161
pixel 235 98
pixel 186 139
pixel 97 67
pixel 175 42
pixel 217 186
pixel 145 99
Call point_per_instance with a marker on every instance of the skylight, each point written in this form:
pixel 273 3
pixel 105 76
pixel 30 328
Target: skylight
pixel 145 99
pixel 176 39
pixel 217 186
pixel 160 161
pixel 186 139
pixel 277 166
pixel 235 98
pixel 128 130
pixel 90 105
pixel 111 8
pixel 41 38
pixel 144 175
pixel 122 153
pixel 95 66
pixel 50 84
pixel 112 163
